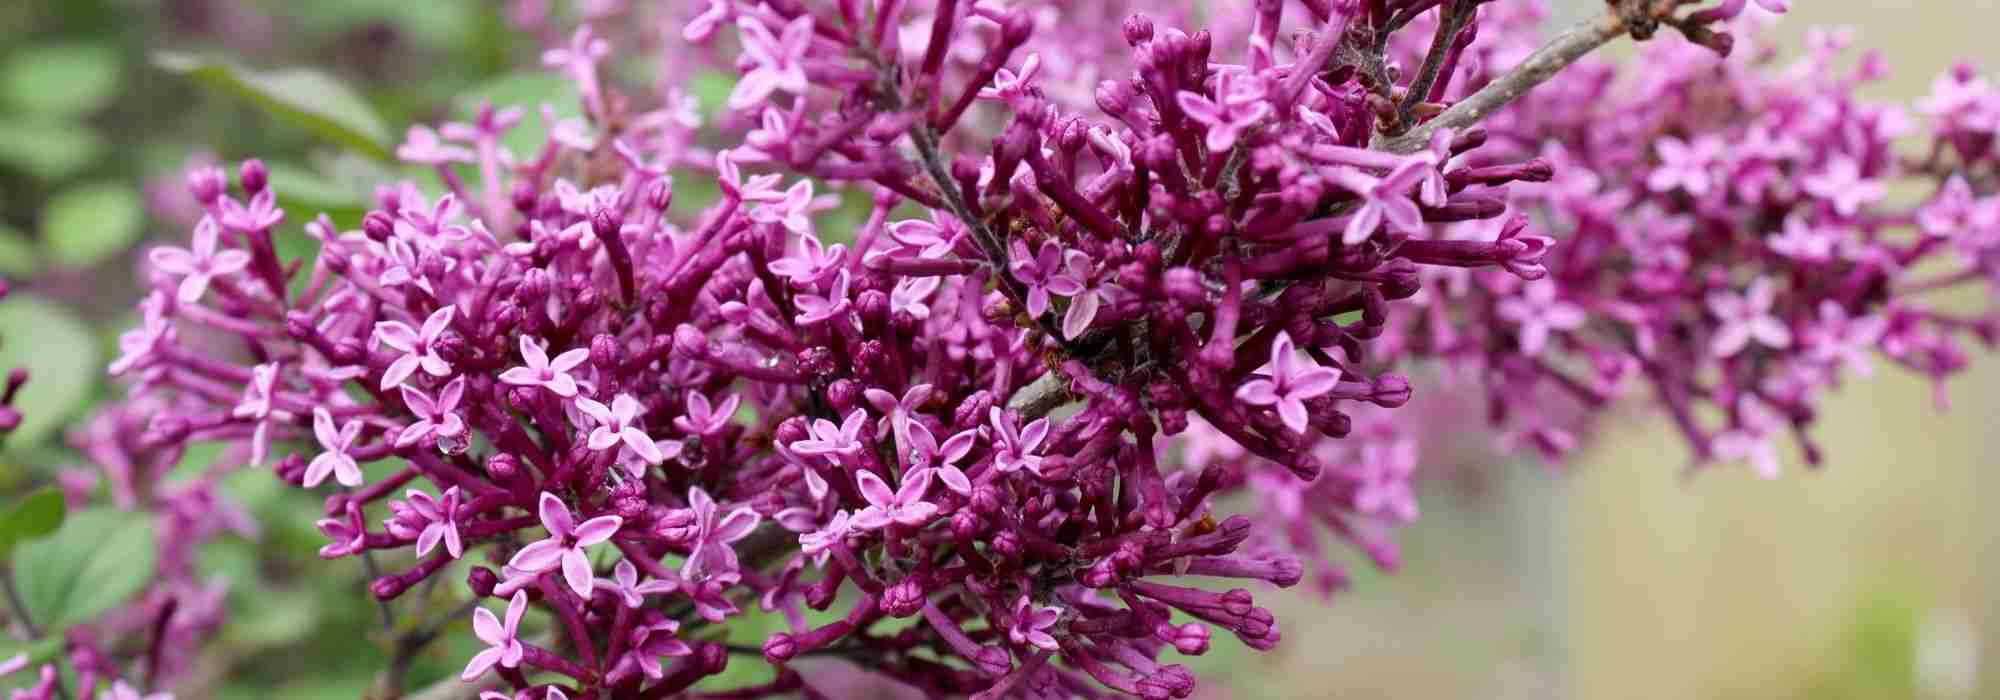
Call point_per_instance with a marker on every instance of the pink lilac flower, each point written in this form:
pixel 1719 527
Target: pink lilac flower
pixel 1014 446
pixel 654 640
pixel 625 584
pixel 1686 166
pixel 539 370
pixel 120 690
pixel 811 263
pixel 776 61
pixel 789 210
pixel 1008 84
pixel 566 543
pixel 1031 624
pixel 1539 312
pixel 911 295
pixel 1385 199
pixel 833 441
pixel 423 147
pixel 346 535
pixel 1842 184
pixel 436 419
pixel 904 506
pixel 419 349
pixel 1238 105
pixel 819 308
pixel 200 263
pixel 897 411
pixel 704 419
pixel 334 460
pixel 1291 382
pixel 260 215
pixel 710 552
pixel 926 453
pixel 1048 272
pixel 430 521
pixel 1746 317
pixel 619 424
pixel 819 543
pixel 503 642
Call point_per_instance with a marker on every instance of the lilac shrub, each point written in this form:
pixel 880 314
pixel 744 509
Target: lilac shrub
pixel 989 443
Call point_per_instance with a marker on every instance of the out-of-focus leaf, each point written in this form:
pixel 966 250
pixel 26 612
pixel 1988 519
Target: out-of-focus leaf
pixel 48 150
pixel 306 98
pixel 62 359
pixel 61 79
pixel 712 88
pixel 529 91
pixel 100 558
pixel 33 516
pixel 85 224
pixel 39 651
pixel 17 255
pixel 305 194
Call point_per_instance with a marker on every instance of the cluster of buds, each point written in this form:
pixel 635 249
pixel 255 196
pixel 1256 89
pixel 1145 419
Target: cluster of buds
pixel 1010 404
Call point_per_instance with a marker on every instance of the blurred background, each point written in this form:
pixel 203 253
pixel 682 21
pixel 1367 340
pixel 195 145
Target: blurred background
pixel 1609 577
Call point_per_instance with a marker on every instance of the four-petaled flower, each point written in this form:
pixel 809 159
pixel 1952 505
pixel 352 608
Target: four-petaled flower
pixel 334 460
pixel 541 371
pixel 1049 273
pixel 503 643
pixel 911 294
pixel 789 209
pixel 431 520
pixel 1014 446
pixel 815 308
pixel 714 532
pixel 619 424
pixel 261 214
pixel 418 348
pixel 655 639
pixel 819 543
pixel 1842 184
pixel 811 263
pixel 347 535
pixel 1238 105
pixel 905 505
pixel 565 545
pixel 1383 199
pixel 777 62
pixel 1031 624
pixel 1008 84
pixel 833 441
pixel 704 419
pixel 1746 317
pixel 436 418
pixel 199 263
pixel 898 411
pixel 1293 380
pixel 1539 311
pixel 926 453
pixel 423 147
pixel 1685 166
pixel 626 586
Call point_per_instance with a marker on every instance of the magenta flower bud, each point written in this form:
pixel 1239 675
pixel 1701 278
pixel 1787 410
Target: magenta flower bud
pixel 904 598
pixel 819 361
pixel 1138 29
pixel 291 469
pixel 378 226
pixel 504 467
pixel 780 648
pixel 207 184
pixel 660 194
pixel 524 196
pixel 1391 391
pixel 9 419
pixel 604 352
pixel 690 343
pixel 253 176
pixel 843 395
pixel 482 580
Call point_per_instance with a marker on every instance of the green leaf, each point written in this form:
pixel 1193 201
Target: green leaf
pixel 711 89
pixel 100 558
pixel 86 224
pixel 63 80
pixel 305 98
pixel 39 652
pixel 62 359
pixel 305 194
pixel 17 254
pixel 35 515
pixel 48 150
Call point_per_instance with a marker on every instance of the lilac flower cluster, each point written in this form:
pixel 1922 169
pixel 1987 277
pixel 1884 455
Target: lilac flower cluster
pixel 1728 241
pixel 1012 406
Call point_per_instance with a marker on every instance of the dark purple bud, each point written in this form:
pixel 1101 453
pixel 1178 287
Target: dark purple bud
pixel 844 395
pixel 482 580
pixel 603 351
pixel 378 226
pixel 660 194
pixel 690 343
pixel 524 196
pixel 780 648
pixel 291 469
pixel 819 361
pixel 504 467
pixel 1391 391
pixel 253 176
pixel 792 430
